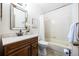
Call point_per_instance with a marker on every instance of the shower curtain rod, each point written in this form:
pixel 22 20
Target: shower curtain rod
pixel 58 8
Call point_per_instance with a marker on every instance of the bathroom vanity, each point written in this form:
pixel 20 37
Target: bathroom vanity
pixel 21 46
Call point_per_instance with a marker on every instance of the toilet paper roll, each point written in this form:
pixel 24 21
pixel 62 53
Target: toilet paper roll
pixel 66 50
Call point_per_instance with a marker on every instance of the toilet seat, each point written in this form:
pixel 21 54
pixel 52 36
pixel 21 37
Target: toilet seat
pixel 43 44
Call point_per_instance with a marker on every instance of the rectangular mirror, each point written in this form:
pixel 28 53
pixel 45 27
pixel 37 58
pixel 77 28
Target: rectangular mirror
pixel 18 17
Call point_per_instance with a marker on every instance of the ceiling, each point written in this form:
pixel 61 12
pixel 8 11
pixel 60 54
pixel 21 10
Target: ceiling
pixel 47 7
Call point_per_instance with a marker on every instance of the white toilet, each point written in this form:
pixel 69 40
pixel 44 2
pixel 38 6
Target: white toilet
pixel 42 47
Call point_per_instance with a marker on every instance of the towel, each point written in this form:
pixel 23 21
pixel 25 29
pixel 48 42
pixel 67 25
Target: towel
pixel 72 35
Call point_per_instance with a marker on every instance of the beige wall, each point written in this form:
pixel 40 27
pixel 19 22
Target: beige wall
pixel 6 19
pixel 33 12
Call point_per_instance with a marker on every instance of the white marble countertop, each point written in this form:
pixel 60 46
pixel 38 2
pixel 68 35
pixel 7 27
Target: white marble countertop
pixel 9 40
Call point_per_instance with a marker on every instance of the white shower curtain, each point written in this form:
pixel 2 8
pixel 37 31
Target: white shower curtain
pixel 41 34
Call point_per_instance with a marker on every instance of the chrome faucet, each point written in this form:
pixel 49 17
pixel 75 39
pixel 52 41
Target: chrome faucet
pixel 20 33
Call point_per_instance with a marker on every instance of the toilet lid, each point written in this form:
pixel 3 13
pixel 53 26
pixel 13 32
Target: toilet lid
pixel 43 42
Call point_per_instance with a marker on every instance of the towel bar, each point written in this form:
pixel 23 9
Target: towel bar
pixel 76 44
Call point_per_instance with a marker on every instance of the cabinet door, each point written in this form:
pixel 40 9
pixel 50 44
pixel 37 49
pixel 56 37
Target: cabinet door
pixel 1 47
pixel 22 52
pixel 35 49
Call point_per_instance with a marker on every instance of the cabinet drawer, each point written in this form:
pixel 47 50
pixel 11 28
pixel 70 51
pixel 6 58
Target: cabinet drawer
pixel 35 44
pixel 15 46
pixel 22 52
pixel 35 39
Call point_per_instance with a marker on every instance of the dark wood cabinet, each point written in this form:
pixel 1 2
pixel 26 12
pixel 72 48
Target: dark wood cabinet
pixel 28 47
pixel 35 49
pixel 1 47
pixel 22 52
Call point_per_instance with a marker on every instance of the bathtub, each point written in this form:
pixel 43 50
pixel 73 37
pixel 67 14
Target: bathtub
pixel 56 47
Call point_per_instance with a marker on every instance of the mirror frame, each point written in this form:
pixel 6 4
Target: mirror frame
pixel 1 11
pixel 12 27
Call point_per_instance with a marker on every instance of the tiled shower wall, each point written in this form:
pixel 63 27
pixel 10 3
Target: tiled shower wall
pixel 57 23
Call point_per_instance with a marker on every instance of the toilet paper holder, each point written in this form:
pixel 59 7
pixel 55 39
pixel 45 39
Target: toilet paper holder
pixel 67 52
